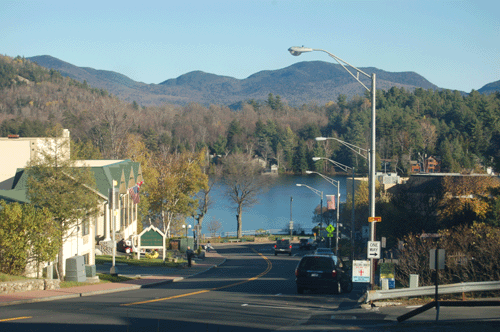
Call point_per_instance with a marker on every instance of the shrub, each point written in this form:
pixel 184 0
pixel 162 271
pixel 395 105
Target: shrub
pixel 471 255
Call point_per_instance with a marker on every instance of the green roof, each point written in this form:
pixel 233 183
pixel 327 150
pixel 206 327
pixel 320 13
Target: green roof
pixel 104 176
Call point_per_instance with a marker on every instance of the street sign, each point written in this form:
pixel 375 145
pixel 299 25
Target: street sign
pixel 360 271
pixel 329 235
pixel 374 219
pixel 330 229
pixel 440 259
pixel 373 249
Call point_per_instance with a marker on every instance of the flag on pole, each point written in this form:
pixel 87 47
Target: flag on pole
pixel 330 199
pixel 134 192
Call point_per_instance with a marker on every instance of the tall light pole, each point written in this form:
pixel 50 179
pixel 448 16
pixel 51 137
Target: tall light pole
pixel 336 184
pixel 320 194
pixel 186 227
pixel 345 168
pixel 296 51
pixel 113 197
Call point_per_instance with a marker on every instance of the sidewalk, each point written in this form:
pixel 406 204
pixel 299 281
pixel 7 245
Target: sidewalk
pixel 148 278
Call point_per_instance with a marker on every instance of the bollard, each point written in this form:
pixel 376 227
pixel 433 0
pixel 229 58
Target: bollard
pixel 413 280
pixel 385 284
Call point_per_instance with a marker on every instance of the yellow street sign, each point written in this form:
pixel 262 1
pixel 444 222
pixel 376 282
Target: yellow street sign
pixel 374 219
pixel 330 228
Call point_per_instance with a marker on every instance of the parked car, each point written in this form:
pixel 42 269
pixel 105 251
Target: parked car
pixel 124 246
pixel 283 246
pixel 307 244
pixel 326 272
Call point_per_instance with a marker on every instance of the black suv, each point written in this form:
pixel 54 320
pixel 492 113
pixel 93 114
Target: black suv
pixel 326 272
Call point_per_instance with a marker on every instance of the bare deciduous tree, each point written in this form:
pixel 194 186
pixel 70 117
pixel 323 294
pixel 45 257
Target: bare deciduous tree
pixel 242 176
pixel 214 226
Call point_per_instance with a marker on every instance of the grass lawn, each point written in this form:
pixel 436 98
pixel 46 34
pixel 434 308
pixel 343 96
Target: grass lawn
pixel 137 262
pixel 103 278
pixel 7 277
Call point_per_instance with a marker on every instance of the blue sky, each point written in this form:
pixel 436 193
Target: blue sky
pixel 453 44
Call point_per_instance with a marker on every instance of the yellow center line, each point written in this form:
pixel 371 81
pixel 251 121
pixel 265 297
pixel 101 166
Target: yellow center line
pixel 15 318
pixel 269 266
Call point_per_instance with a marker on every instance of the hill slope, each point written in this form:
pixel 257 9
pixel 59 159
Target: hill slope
pixel 300 83
pixel 490 88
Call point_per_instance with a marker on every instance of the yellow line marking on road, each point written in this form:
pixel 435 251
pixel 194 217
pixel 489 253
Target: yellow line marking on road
pixel 167 298
pixel 269 267
pixel 15 318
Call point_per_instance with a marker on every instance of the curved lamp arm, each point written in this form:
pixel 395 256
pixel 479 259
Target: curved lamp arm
pixel 298 50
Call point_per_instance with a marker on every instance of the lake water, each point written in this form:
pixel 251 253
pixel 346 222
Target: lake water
pixel 273 209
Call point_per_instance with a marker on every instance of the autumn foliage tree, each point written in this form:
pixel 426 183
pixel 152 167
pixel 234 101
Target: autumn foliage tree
pixel 466 199
pixel 175 180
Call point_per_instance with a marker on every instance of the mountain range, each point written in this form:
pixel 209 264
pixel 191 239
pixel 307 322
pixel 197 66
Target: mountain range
pixel 301 83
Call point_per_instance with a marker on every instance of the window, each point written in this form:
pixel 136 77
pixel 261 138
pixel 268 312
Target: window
pixel 86 226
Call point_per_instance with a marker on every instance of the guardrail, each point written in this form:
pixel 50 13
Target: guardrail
pixel 255 232
pixel 484 286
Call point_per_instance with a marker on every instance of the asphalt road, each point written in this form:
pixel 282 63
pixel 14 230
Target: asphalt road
pixel 252 291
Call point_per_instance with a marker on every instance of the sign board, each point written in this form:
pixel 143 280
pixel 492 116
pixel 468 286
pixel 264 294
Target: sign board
pixel 365 232
pixel 374 219
pixel 373 249
pixel 387 271
pixel 440 259
pixel 360 271
pixel 291 224
pixel 151 238
pixel 330 229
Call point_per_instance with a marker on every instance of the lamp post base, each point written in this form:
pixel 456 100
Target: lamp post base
pixel 113 271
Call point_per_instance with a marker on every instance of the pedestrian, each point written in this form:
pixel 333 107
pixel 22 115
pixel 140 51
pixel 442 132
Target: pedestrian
pixel 189 255
pixel 208 247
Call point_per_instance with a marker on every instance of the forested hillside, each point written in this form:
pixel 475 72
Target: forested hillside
pixel 461 130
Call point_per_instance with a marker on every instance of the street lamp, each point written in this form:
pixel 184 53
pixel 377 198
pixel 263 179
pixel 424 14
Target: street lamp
pixel 336 184
pixel 186 227
pixel 320 194
pixel 345 168
pixel 296 51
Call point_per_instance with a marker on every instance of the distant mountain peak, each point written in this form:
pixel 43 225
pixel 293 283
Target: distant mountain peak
pixel 301 83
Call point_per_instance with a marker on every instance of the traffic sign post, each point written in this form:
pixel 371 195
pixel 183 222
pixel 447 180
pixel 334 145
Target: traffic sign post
pixel 330 230
pixel 373 249
pixel 361 271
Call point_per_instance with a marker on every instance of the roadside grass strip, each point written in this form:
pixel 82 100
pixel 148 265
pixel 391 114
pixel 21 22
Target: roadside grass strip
pixel 269 267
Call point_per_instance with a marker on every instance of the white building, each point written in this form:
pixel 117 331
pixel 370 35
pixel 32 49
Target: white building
pixel 80 241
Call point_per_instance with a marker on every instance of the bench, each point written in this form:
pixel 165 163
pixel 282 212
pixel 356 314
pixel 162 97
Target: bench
pixel 234 240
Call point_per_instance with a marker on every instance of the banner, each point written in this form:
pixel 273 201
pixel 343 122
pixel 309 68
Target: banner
pixel 330 199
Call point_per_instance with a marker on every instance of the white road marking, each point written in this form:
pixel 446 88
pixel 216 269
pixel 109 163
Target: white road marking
pixel 342 317
pixel 274 307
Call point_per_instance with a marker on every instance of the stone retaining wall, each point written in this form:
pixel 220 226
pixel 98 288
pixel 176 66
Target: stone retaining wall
pixel 8 287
